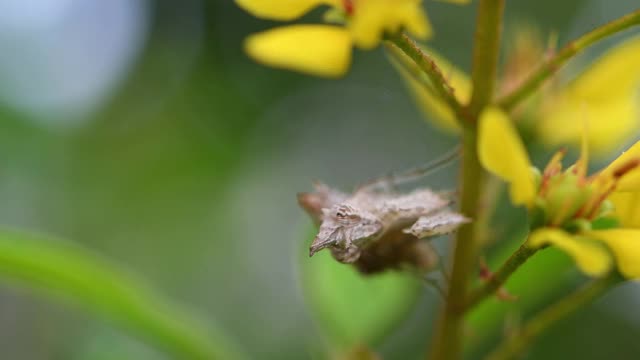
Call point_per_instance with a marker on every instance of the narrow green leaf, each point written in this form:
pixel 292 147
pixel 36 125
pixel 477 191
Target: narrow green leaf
pixel 66 269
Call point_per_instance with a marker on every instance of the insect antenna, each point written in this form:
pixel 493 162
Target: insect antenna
pixel 430 282
pixel 435 285
pixel 411 174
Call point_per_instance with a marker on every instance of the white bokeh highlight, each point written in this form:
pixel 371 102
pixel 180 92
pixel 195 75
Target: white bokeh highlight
pixel 61 59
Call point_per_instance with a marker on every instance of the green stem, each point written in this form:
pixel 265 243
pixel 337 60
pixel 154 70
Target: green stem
pixel 515 345
pixel 405 63
pixel 428 66
pixel 551 66
pixel 486 50
pixel 447 341
pixel 498 278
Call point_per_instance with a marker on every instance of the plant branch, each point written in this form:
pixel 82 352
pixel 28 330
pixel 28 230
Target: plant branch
pixel 428 66
pixel 498 278
pixel 447 341
pixel 514 345
pixel 486 50
pixel 410 66
pixel 551 66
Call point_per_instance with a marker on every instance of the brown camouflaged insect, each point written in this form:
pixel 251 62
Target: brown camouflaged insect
pixel 377 229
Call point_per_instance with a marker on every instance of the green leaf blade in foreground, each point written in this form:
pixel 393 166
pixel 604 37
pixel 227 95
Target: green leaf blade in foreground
pixel 352 309
pixel 63 268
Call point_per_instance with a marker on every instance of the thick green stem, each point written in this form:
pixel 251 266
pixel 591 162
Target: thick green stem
pixel 447 341
pixel 551 66
pixel 515 345
pixel 486 51
pixel 498 278
pixel 429 67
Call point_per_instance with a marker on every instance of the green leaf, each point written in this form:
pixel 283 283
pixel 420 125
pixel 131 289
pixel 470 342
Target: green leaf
pixel 352 309
pixel 62 268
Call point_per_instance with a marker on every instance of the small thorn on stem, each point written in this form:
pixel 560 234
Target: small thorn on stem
pixel 486 274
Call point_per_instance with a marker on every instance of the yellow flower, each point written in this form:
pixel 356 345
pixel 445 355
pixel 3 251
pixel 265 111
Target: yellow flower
pixel 606 93
pixel 501 152
pixel 627 208
pixel 325 50
pixel 314 49
pixel 591 217
pixel 592 259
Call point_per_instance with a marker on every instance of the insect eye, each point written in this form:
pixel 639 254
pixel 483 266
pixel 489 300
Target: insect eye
pixel 345 213
pixel 341 214
pixel 347 216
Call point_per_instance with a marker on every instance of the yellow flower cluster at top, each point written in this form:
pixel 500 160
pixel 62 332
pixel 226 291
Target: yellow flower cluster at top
pixel 325 50
pixel 593 218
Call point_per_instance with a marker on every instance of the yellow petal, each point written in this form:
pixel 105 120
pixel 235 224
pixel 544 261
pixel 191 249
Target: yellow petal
pixel 321 50
pixel 501 152
pixel 614 73
pixel 592 259
pixel 627 208
pixel 606 94
pixel 612 121
pixel 372 18
pixel 582 165
pixel 631 180
pixel 625 245
pixel 429 103
pixel 282 9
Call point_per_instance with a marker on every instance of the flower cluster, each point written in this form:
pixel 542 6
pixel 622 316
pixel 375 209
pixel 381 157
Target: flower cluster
pixel 569 209
pixel 606 92
pixel 325 50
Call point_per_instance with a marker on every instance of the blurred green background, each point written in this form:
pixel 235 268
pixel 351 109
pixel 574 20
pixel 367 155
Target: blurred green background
pixel 140 130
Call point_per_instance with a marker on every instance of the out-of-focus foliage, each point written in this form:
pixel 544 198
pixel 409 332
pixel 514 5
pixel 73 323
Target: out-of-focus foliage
pixel 354 310
pixel 184 163
pixel 62 268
